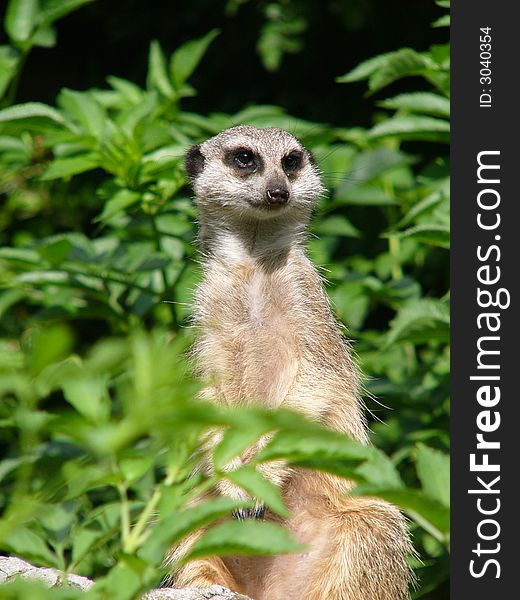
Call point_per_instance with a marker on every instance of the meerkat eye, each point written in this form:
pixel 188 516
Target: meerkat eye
pixel 292 162
pixel 244 158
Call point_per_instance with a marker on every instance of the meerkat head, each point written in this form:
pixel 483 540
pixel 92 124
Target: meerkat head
pixel 258 173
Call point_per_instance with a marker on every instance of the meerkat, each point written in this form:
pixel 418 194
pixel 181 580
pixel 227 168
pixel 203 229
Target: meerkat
pixel 267 335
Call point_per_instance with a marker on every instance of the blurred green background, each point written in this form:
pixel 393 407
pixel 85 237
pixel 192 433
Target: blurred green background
pixel 99 101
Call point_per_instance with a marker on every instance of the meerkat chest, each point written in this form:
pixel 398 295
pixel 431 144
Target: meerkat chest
pixel 250 335
pixel 246 299
pixel 266 304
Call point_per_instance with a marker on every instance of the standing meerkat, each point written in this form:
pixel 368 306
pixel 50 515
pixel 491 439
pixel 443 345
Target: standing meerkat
pixel 267 335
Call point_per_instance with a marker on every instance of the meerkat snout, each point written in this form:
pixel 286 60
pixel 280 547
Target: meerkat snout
pixel 277 196
pixel 258 173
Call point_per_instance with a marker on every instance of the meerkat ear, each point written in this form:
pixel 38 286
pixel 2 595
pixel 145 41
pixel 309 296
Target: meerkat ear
pixel 194 162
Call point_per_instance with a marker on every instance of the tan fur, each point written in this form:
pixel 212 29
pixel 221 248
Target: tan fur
pixel 267 336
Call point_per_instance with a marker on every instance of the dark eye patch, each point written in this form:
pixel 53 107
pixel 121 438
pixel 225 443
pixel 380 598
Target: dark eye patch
pixel 292 162
pixel 243 160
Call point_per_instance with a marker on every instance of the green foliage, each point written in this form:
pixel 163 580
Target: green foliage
pixel 99 425
pixel 28 23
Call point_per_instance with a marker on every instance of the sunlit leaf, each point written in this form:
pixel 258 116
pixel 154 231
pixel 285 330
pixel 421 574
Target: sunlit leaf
pixel 21 18
pixel 420 320
pixel 158 77
pixel 259 487
pixel 433 468
pixel 66 167
pixel 122 200
pixel 243 538
pixel 32 109
pixel 419 102
pixel 52 10
pixel 184 60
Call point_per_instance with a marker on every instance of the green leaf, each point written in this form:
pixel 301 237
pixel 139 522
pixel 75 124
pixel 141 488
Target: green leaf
pixel 279 35
pixel 365 69
pixel 351 303
pixel 45 37
pixel 420 320
pixel 136 467
pixel 419 102
pixel 249 537
pixel 20 19
pixel 117 204
pixel 66 167
pixel 365 195
pixel 130 91
pixel 8 66
pixel 20 254
pixel 32 109
pixel 236 440
pixel 433 469
pixel 130 118
pixel 55 251
pixel 179 524
pixel 370 164
pixel 184 61
pixel 443 21
pixel 152 262
pixel 386 68
pixel 48 345
pixel 83 540
pixel 312 443
pixel 9 143
pixel 412 127
pixel 89 396
pixel 85 110
pixel 7 299
pixel 24 542
pixel 57 519
pixel 427 205
pixel 403 63
pixel 157 73
pixel 259 487
pixel 334 453
pixel 124 580
pixel 429 514
pixel 380 471
pixel 337 225
pixel 52 10
pixel 434 234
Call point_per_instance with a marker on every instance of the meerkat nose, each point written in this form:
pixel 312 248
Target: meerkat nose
pixel 277 196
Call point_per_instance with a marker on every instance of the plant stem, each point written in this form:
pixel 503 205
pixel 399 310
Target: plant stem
pixel 393 245
pixel 134 538
pixel 10 95
pixel 125 514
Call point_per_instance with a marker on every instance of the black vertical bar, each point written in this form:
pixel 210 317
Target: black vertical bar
pixel 485 119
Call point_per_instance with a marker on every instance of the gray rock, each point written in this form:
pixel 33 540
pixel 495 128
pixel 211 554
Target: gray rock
pixel 215 592
pixel 11 567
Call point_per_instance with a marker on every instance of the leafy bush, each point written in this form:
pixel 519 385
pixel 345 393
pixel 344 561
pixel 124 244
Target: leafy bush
pixel 99 426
